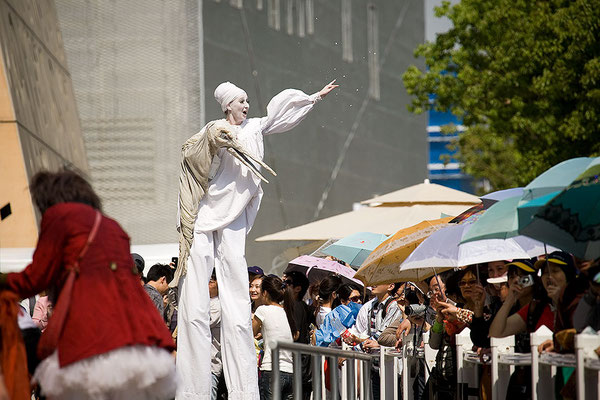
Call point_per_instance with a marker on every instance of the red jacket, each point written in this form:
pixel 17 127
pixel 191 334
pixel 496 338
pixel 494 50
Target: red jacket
pixel 109 308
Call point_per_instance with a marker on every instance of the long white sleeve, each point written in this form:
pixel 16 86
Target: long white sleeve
pixel 234 188
pixel 286 110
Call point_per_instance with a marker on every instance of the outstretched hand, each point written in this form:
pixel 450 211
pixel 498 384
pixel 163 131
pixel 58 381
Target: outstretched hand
pixel 328 88
pixel 449 311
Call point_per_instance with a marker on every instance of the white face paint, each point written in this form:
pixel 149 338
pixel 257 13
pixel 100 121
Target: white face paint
pixel 238 110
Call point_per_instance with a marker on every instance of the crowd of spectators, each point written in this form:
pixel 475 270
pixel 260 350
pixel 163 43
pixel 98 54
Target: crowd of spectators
pixel 496 299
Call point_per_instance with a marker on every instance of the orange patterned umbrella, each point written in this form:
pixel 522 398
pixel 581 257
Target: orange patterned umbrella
pixel 382 265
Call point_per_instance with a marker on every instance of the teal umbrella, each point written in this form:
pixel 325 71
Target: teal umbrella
pixel 551 181
pixel 503 219
pixel 355 249
pixel 570 220
pixel 497 222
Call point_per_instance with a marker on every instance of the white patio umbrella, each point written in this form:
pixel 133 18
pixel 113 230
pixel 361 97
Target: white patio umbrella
pixel 442 250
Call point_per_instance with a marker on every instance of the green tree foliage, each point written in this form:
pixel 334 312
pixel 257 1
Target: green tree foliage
pixel 524 76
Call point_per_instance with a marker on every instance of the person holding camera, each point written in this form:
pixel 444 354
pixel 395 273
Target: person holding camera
pixel 157 287
pixel 533 314
pixel 519 274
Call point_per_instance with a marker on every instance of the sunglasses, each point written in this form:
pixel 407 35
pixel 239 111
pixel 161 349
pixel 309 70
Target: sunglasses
pixel 355 298
pixel 472 282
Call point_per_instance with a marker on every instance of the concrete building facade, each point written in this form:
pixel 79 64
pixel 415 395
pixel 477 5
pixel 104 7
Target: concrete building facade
pixel 39 125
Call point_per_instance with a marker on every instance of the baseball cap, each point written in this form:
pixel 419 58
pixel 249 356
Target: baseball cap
pixel 563 260
pixel 557 257
pixel 256 270
pixel 524 264
pixel 139 262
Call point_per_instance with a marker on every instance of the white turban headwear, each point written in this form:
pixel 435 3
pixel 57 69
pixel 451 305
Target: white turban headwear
pixel 226 92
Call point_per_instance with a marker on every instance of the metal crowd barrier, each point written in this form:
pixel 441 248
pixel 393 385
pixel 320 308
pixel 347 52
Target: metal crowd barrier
pixel 365 361
pixel 503 361
pixel 355 375
pixel 354 380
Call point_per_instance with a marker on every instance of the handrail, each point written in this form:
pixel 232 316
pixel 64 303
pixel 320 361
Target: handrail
pixel 356 372
pixel 325 351
pixel 317 353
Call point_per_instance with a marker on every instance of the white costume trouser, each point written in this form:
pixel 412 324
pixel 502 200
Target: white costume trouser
pixel 224 251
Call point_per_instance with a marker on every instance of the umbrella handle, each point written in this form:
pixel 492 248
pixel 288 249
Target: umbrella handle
pixel 437 278
pixel 308 271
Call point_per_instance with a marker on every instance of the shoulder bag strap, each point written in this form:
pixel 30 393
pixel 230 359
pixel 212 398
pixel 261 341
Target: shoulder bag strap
pixel 49 340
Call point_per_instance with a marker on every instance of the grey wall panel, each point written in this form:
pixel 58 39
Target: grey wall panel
pixel 39 82
pixel 40 17
pixel 138 69
pixel 135 68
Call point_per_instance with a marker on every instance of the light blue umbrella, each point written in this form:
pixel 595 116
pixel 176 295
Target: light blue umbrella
pixel 556 178
pixel 503 194
pixel 570 219
pixel 355 249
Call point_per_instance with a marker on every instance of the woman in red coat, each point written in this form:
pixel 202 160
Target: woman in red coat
pixel 105 338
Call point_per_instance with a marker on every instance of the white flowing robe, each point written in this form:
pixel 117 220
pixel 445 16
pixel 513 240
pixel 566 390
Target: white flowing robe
pixel 225 214
pixel 235 188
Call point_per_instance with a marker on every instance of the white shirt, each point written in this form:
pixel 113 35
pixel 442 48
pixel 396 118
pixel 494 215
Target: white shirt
pixel 323 311
pixel 275 328
pixel 216 364
pixel 363 319
pixel 234 187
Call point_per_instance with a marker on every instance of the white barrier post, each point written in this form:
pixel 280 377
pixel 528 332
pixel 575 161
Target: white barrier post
pixel 542 375
pixel 344 391
pixel 465 377
pixel 584 349
pixel 405 376
pixel 386 373
pixel 429 355
pixel 323 386
pixel 397 371
pixel 501 373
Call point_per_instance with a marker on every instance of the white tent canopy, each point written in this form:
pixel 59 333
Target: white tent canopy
pixel 16 259
pixel 386 220
pixel 423 193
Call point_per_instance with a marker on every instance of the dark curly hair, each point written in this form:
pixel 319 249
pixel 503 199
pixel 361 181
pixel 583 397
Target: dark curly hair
pixel 50 188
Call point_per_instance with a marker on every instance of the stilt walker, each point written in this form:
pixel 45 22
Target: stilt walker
pixel 219 196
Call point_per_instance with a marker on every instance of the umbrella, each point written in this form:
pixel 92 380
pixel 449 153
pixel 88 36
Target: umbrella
pixel 423 193
pixel 503 219
pixel 442 250
pixel 498 222
pixel 486 202
pixel 554 179
pixel 382 264
pixel 386 220
pixel 502 194
pixel 316 269
pixel 571 219
pixel 355 248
